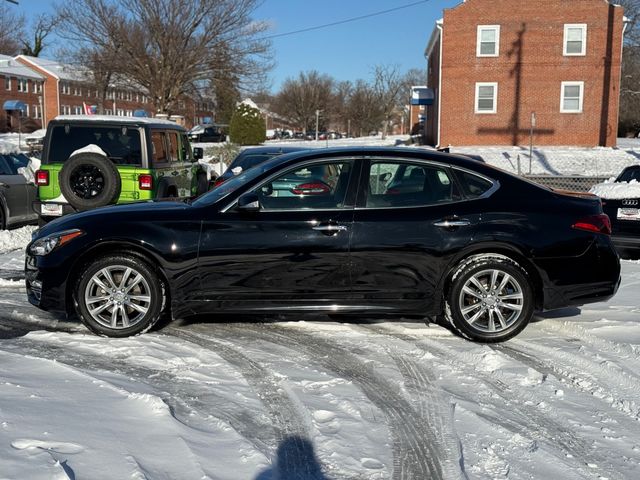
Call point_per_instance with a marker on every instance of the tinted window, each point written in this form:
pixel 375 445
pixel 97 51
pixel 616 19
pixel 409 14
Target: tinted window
pixel 173 146
pixel 4 167
pixel 319 187
pixel 399 184
pixel 472 185
pixel 630 174
pixel 16 161
pixel 186 147
pixel 121 144
pixel 158 148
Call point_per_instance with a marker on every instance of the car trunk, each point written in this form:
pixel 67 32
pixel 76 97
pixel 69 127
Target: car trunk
pixel 624 215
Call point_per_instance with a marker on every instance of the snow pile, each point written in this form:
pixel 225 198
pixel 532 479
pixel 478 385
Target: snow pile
pixel 10 142
pixel 29 173
pixel 15 239
pixel 617 190
pixel 214 170
pixel 91 148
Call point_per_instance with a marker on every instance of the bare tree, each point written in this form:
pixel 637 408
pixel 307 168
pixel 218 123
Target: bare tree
pixel 389 87
pixel 170 47
pixel 41 28
pixel 299 99
pixel 11 30
pixel 364 109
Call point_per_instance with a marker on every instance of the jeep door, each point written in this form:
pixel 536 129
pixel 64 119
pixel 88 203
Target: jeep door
pixel 180 166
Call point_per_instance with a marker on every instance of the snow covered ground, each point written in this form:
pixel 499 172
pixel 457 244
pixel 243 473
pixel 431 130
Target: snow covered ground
pixel 309 398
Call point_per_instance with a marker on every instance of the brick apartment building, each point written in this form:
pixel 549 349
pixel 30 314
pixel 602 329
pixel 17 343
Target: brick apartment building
pixel 492 63
pixel 34 90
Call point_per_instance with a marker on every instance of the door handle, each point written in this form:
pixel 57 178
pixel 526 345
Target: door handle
pixel 329 228
pixel 452 222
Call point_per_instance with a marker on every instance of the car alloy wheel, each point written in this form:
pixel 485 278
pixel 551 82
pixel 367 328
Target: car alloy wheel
pixel 491 300
pixel 119 296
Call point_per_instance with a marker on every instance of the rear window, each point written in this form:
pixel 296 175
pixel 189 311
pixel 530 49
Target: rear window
pixel 629 174
pixel 249 161
pixel 472 185
pixel 120 143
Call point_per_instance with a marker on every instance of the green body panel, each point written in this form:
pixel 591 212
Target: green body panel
pixel 128 176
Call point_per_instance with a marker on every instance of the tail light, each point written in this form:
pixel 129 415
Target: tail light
pixel 42 178
pixel 315 188
pixel 145 182
pixel 594 223
pixel 219 181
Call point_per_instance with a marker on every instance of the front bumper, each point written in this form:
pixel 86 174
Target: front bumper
pixel 46 288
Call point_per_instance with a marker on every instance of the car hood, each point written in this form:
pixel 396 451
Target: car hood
pixel 114 213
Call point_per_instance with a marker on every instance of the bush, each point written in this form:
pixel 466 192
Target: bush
pixel 247 126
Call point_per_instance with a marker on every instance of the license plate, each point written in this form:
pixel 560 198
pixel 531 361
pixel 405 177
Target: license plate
pixel 51 209
pixel 629 214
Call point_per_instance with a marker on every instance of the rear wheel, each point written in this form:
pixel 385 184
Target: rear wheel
pixel 90 180
pixel 119 296
pixel 491 299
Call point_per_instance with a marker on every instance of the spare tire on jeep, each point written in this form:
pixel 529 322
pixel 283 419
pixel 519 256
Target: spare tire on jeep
pixel 89 180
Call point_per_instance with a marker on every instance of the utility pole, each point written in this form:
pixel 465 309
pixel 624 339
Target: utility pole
pixel 533 125
pixel 317 123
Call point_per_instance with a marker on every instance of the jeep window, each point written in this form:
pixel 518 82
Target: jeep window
pixel 120 143
pixel 173 146
pixel 159 153
pixel 186 147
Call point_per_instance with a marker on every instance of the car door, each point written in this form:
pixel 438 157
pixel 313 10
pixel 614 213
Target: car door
pixel 292 253
pixel 13 188
pixel 180 168
pixel 411 217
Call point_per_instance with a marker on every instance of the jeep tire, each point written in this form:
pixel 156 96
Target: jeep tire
pixel 90 180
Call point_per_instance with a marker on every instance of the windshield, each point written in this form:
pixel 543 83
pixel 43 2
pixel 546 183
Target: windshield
pixel 229 186
pixel 629 174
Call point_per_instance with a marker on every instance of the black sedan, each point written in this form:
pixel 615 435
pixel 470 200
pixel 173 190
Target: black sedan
pixel 475 245
pixel 16 193
pixel 625 215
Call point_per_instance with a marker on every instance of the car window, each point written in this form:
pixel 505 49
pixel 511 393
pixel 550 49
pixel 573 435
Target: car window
pixel 158 148
pixel 174 149
pixel 248 161
pixel 400 184
pixel 16 161
pixel 120 143
pixel 320 186
pixel 185 147
pixel 4 166
pixel 629 174
pixel 472 185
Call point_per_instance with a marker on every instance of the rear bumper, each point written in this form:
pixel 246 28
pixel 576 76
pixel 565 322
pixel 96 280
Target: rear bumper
pixel 623 242
pixel 66 209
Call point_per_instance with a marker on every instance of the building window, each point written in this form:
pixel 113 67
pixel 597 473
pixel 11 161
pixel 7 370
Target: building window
pixel 78 110
pixel 7 83
pixel 571 96
pixel 23 85
pixel 575 39
pixel 488 41
pixel 486 97
pixel 77 91
pixel 36 111
pixel 66 109
pixel 108 111
pixel 26 111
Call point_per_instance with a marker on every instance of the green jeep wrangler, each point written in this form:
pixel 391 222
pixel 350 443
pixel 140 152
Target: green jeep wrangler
pixel 91 161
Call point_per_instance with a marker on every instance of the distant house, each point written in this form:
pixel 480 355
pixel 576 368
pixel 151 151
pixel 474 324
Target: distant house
pixel 497 65
pixel 20 96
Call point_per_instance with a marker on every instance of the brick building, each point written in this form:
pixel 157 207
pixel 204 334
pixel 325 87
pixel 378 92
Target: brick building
pixel 44 89
pixel 494 63
pixel 21 91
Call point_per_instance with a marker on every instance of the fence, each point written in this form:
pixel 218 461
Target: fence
pixel 575 183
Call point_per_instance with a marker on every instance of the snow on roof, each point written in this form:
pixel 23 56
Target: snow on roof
pixel 115 119
pixel 61 70
pixel 9 66
pixel 617 190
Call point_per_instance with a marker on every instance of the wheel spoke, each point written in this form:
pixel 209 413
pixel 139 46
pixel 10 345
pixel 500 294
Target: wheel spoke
pixel 494 280
pixel 503 322
pixel 125 277
pixel 92 300
pixel 471 308
pixel 114 316
pixel 100 283
pixel 140 298
pixel 98 310
pixel 107 275
pixel 491 325
pixel 503 283
pixel 137 307
pixel 511 296
pixel 468 291
pixel 125 317
pixel 512 306
pixel 477 283
pixel 136 280
pixel 475 317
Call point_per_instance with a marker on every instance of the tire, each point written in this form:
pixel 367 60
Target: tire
pixel 203 184
pixel 491 299
pixel 90 180
pixel 142 312
pixel 2 222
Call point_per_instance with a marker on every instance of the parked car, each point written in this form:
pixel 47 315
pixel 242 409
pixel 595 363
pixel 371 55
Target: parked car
pixel 207 133
pixel 476 245
pixel 16 192
pixel 35 141
pixel 92 161
pixel 250 157
pixel 622 204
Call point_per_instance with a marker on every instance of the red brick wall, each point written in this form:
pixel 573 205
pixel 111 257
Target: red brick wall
pixel 28 98
pixel 529 72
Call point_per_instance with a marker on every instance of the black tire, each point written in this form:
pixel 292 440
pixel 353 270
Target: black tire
pixel 203 184
pixel 90 180
pixel 2 222
pixel 502 311
pixel 88 288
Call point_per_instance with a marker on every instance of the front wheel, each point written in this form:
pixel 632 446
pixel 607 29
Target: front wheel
pixel 119 296
pixel 491 299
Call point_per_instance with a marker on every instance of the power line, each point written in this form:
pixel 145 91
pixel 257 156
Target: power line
pixel 348 20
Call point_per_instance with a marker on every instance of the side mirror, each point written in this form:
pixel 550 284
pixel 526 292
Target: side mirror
pixel 383 177
pixel 198 153
pixel 249 202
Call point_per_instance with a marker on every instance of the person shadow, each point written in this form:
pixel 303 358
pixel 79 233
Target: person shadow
pixel 295 460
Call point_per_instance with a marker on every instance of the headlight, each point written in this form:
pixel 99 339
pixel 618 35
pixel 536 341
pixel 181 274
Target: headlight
pixel 46 245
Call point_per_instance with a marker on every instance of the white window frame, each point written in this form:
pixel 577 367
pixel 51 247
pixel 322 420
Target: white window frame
pixel 23 85
pixel 565 40
pixel 495 97
pixel 580 98
pixel 481 28
pixel 7 83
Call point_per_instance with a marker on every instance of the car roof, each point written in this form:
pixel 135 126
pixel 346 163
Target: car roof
pixel 275 149
pixel 138 121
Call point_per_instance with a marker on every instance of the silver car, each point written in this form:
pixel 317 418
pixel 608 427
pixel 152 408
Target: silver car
pixel 16 193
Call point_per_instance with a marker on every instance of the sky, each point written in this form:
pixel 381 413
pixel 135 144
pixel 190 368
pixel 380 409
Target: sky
pixel 346 52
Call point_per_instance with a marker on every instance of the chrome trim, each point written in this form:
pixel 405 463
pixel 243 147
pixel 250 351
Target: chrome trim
pixel 629 202
pixel 330 228
pixel 452 223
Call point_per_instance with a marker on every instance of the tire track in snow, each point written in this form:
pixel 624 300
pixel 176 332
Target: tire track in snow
pixel 415 443
pixel 534 424
pixel 289 426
